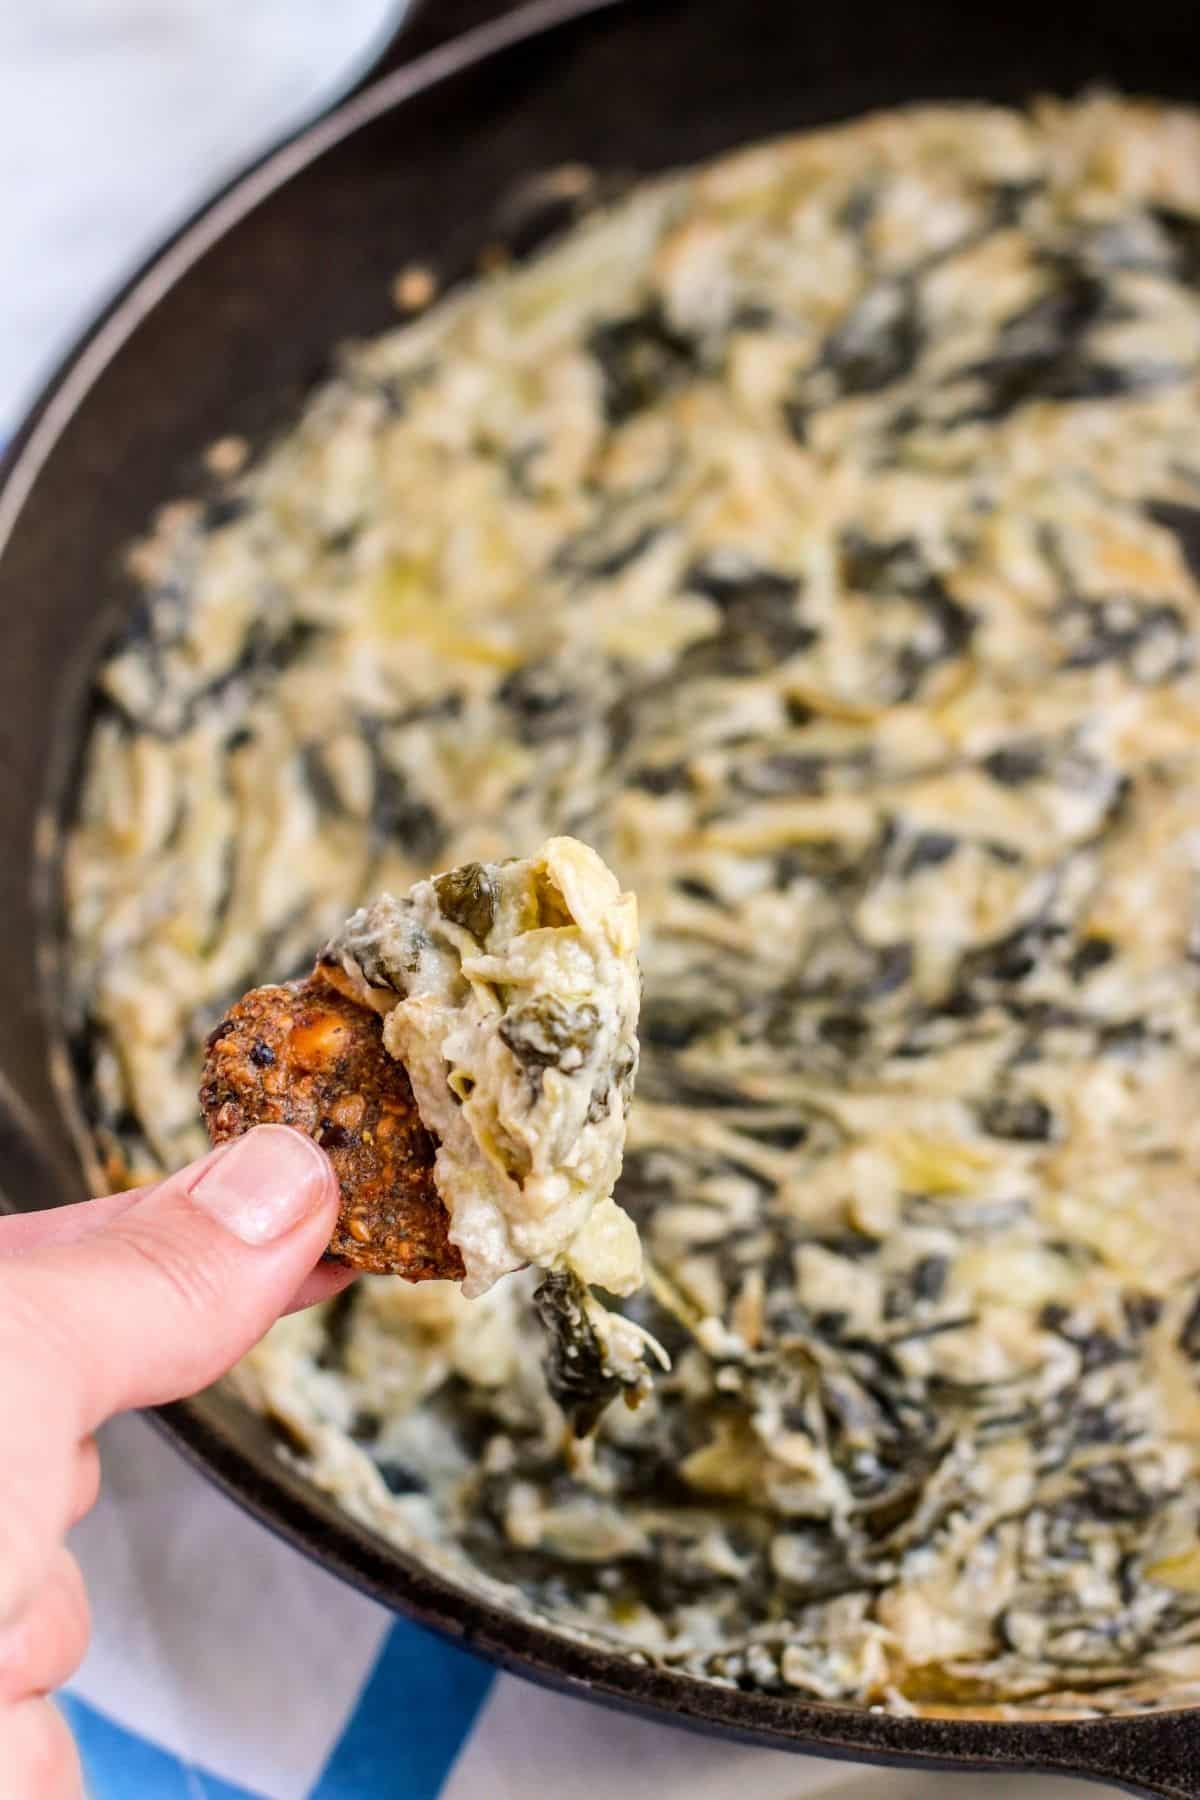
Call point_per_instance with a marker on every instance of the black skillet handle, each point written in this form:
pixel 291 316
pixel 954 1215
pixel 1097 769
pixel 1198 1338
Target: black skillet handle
pixel 1156 1754
pixel 423 25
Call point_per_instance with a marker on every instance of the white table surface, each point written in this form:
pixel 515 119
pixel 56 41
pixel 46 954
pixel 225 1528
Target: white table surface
pixel 117 117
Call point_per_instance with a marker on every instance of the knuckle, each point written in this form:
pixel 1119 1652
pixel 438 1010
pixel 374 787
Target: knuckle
pixel 38 1759
pixel 46 1644
pixel 25 1549
pixel 72 1623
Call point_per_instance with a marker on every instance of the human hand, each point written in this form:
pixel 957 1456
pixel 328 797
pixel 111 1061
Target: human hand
pixel 126 1301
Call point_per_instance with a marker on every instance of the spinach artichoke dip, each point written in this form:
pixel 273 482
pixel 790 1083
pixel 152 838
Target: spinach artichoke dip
pixel 816 534
pixel 510 994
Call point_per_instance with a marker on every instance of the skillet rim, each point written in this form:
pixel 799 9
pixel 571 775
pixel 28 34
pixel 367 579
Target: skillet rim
pixel 1147 1753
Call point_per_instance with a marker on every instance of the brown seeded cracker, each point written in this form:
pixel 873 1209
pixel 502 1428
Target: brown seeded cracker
pixel 305 1055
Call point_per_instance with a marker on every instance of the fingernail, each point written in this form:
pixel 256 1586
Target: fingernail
pixel 264 1184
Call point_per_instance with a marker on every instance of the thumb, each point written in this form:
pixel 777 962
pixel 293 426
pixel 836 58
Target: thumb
pixel 166 1296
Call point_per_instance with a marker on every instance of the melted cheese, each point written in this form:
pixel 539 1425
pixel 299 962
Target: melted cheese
pixel 510 993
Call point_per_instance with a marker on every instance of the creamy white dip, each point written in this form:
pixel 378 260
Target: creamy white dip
pixel 510 993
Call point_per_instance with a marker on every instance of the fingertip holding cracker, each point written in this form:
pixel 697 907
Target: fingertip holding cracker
pixel 305 1055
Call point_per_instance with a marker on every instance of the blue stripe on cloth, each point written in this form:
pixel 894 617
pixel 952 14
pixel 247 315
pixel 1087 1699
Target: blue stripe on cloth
pixel 120 1765
pixel 413 1716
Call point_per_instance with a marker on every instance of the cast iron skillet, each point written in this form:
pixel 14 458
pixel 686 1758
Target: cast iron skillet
pixel 222 332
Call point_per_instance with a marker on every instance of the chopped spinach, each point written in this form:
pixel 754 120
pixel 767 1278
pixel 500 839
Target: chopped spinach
pixel 549 1033
pixel 578 1371
pixel 544 705
pixel 641 357
pixel 467 896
